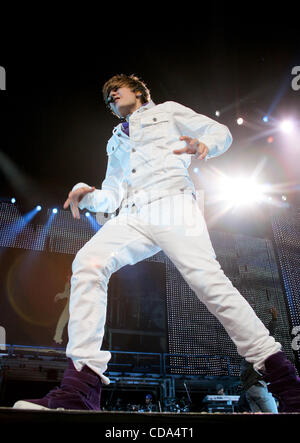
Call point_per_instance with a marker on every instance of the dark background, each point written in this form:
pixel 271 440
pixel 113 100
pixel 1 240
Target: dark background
pixel 29 281
pixel 54 124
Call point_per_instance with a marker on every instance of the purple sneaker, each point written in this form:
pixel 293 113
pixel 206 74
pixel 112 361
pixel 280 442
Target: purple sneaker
pixel 78 390
pixel 284 382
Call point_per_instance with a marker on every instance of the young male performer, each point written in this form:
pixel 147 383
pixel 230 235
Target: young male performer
pixel 147 178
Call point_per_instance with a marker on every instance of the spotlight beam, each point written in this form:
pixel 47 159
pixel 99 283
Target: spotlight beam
pixel 44 234
pixel 14 229
pixel 23 184
pixel 255 93
pixel 92 221
pixel 259 168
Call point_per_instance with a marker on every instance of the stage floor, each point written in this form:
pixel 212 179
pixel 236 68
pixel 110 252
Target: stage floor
pixel 136 426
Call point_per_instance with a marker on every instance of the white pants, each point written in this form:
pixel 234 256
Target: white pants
pixel 176 226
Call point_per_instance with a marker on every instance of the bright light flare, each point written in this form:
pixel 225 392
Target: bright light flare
pixel 287 126
pixel 241 191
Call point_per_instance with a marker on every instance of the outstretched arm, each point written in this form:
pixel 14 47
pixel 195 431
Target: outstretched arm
pixel 107 199
pixel 205 138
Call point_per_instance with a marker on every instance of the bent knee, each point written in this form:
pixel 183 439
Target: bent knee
pixel 88 262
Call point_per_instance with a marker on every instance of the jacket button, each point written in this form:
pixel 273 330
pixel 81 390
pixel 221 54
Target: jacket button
pixel 113 148
pixel 133 171
pixel 155 119
pixel 133 150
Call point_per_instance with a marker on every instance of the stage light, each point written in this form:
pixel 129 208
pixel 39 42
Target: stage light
pixel 196 170
pixel 13 200
pixel 54 210
pixel 217 113
pixel 240 121
pixel 87 214
pixel 284 197
pixel 38 208
pixel 93 222
pixel 13 229
pixel 265 119
pixel 241 191
pixel 287 126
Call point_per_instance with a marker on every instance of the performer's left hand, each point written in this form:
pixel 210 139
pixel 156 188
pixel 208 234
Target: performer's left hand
pixel 192 146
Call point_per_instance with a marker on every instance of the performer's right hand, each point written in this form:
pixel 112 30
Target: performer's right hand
pixel 75 197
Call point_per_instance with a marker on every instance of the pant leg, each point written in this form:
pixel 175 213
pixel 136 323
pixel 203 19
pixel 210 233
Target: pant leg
pixel 254 407
pixel 115 245
pixel 267 402
pixel 186 241
pixel 261 400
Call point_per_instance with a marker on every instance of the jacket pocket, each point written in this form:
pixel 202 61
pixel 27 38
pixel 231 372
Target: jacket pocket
pixel 155 126
pixel 112 147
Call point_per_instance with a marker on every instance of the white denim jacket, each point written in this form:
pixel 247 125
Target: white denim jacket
pixel 143 167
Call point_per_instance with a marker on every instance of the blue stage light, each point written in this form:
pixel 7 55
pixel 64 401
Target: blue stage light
pixel 54 210
pixel 265 118
pixel 38 208
pixel 93 222
pixel 13 200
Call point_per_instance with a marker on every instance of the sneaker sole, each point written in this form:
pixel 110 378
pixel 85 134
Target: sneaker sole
pixel 27 405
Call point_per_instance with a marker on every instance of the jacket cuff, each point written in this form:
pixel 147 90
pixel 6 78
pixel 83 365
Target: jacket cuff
pixel 85 201
pixel 211 147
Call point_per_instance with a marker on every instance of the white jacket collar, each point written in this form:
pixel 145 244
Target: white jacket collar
pixel 144 108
